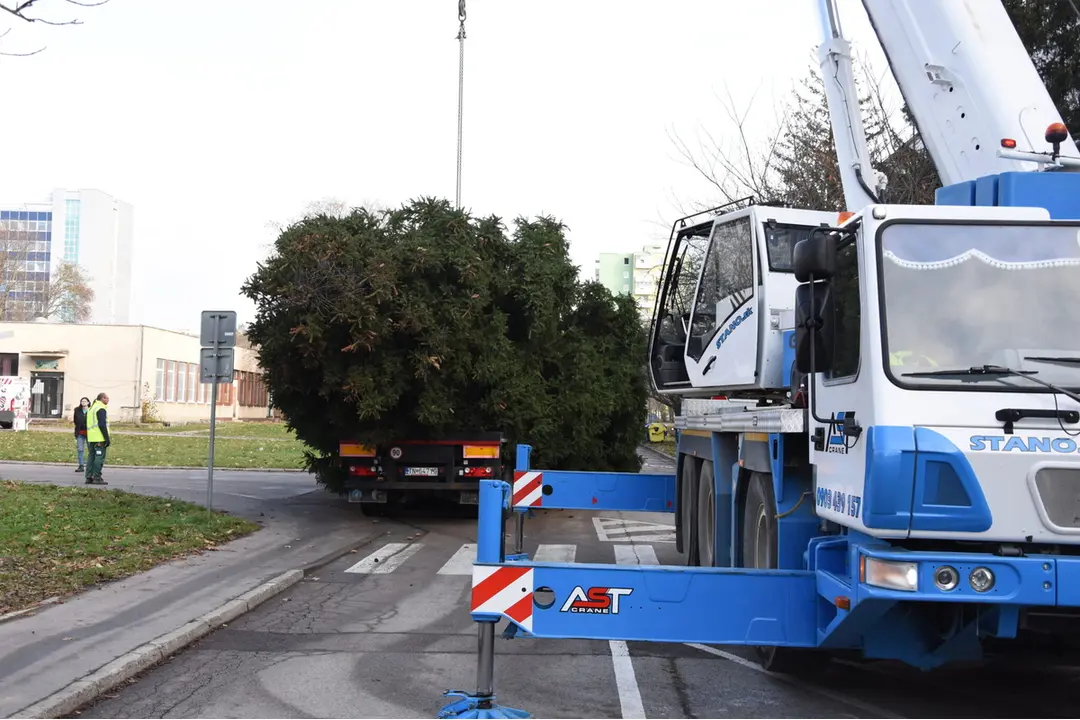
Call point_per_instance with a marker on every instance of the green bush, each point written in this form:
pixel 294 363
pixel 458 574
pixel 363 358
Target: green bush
pixel 423 320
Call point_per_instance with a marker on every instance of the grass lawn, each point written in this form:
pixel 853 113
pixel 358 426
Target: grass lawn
pixel 273 431
pixel 59 540
pixel 148 450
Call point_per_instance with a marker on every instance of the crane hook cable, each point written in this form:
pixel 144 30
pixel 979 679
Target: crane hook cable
pixel 461 94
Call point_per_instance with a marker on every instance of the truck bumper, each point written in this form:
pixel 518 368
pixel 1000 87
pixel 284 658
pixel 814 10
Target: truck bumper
pixel 374 491
pixel 1034 580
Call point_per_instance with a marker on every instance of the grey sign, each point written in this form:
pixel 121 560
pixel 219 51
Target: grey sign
pixel 216 365
pixel 218 328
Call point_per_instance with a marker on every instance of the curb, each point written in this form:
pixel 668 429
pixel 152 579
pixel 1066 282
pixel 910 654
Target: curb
pixel 87 689
pixel 29 610
pixel 160 467
pixel 107 677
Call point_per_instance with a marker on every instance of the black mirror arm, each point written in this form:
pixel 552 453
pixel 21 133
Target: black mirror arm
pixel 813 324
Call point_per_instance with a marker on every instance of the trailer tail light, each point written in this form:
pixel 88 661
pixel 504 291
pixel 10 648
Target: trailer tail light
pixel 471 452
pixel 477 472
pixel 351 449
pixel 362 470
pixel 1008 143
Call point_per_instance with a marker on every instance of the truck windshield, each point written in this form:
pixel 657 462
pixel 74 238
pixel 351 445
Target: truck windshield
pixel 956 296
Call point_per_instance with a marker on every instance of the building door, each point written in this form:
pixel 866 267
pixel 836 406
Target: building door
pixel 47 394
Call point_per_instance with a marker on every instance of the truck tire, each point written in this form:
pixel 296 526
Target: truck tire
pixel 706 516
pixel 759 550
pixel 688 509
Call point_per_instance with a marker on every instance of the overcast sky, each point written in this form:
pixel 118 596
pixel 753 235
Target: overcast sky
pixel 217 118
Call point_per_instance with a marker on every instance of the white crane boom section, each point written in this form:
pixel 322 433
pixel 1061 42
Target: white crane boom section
pixel 969 83
pixel 861 183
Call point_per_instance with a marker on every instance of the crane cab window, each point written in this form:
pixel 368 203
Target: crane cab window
pixel 780 242
pixel 846 312
pixel 727 282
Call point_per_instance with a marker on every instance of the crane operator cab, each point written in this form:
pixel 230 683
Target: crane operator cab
pixel 726 300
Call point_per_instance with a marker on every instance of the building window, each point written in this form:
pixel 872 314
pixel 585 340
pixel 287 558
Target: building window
pixel 71 231
pixel 626 261
pixel 170 381
pixel 159 386
pixel 181 381
pixel 193 381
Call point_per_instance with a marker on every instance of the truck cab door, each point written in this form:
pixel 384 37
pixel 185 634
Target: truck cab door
pixel 722 347
pixel 671 316
pixel 843 392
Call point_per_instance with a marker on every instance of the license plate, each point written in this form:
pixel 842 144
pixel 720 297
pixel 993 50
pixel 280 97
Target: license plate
pixel 425 471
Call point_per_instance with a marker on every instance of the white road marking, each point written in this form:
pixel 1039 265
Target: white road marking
pixel 626 680
pixel 635 555
pixel 625 677
pixel 620 530
pixel 386 559
pixel 555 553
pixel 807 687
pixel 461 562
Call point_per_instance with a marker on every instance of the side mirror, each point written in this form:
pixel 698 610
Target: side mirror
pixel 815 256
pixel 816 326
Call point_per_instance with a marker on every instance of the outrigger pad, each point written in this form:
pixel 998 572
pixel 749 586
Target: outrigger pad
pixel 477 706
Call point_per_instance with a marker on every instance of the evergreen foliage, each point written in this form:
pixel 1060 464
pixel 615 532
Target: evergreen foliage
pixel 420 321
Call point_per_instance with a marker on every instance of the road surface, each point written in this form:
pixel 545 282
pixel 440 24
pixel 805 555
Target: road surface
pixel 383 631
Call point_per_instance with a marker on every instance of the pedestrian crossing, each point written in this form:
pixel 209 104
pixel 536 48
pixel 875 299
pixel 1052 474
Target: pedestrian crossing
pixel 395 555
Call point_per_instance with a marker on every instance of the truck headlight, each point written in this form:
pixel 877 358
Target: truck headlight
pixel 981 579
pixel 890 574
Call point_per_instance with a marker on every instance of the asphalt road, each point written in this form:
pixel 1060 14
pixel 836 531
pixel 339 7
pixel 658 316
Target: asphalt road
pixel 383 632
pixel 247 493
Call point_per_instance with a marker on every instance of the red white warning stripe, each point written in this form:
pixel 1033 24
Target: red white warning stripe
pixel 527 489
pixel 504 590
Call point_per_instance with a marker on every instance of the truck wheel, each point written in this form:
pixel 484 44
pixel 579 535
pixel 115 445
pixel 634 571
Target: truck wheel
pixel 687 510
pixel 759 550
pixel 706 516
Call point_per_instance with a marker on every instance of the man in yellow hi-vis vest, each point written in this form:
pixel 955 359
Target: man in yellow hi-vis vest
pixel 901 358
pixel 97 438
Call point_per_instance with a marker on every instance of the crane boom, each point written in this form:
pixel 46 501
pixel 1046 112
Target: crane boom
pixel 861 183
pixel 969 83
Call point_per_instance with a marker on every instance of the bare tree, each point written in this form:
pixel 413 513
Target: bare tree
pixel 27 11
pixel 28 287
pixel 17 284
pixel 797 167
pixel 68 295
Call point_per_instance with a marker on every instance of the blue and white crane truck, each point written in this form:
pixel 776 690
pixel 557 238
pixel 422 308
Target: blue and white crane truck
pixel 894 468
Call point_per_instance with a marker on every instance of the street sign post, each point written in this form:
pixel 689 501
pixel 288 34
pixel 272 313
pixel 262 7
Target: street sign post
pixel 217 335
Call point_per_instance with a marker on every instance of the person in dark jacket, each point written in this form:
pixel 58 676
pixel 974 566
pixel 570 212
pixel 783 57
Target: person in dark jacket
pixel 80 432
pixel 97 436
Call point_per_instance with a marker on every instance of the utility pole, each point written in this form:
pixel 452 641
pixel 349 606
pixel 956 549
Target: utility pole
pixel 460 93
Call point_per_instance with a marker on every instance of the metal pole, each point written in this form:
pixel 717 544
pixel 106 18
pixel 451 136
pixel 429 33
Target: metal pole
pixel 213 416
pixel 485 664
pixel 519 533
pixel 461 94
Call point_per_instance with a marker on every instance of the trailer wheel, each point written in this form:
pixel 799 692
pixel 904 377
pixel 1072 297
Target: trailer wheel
pixel 688 509
pixel 759 550
pixel 706 516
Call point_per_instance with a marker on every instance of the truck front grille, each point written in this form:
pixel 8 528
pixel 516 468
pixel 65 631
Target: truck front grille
pixel 1059 492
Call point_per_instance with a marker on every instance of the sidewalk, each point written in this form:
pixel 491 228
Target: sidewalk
pixel 42 653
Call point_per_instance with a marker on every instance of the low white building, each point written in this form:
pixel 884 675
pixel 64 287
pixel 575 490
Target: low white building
pixel 148 373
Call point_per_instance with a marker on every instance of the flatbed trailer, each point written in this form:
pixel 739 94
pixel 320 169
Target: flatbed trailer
pixel 383 478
